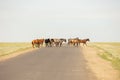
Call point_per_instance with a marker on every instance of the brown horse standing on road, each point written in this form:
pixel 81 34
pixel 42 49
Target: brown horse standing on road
pixel 84 41
pixel 37 43
pixel 74 41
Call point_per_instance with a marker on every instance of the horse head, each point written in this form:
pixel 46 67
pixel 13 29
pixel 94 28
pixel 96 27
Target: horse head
pixel 87 39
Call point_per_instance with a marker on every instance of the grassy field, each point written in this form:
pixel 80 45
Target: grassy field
pixel 9 48
pixel 109 51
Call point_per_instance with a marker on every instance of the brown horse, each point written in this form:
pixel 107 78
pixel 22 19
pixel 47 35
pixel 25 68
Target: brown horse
pixel 37 43
pixel 74 42
pixel 84 41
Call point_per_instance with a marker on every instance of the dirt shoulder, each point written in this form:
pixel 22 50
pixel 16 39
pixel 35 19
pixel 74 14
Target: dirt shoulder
pixel 3 58
pixel 102 69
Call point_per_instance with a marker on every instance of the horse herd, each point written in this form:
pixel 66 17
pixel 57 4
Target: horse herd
pixel 58 42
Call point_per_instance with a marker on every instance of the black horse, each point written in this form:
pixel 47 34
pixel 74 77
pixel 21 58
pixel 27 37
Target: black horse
pixel 49 42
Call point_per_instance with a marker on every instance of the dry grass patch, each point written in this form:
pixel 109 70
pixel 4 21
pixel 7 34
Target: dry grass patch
pixel 110 52
pixel 10 48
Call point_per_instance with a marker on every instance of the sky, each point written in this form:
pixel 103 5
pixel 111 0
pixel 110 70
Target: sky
pixel 25 20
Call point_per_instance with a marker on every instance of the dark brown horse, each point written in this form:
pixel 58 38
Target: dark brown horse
pixel 37 43
pixel 84 41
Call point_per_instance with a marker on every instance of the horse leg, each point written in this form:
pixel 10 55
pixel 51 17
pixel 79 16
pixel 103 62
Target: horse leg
pixel 60 44
pixel 38 45
pixel 32 44
pixel 85 44
pixel 73 44
pixel 77 44
pixel 48 44
pixel 57 44
pixel 69 43
pixel 41 44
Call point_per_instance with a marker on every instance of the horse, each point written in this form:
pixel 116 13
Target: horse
pixel 59 42
pixel 84 41
pixel 49 42
pixel 37 43
pixel 74 41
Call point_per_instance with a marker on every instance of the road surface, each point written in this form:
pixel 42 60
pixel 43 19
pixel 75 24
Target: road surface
pixel 51 63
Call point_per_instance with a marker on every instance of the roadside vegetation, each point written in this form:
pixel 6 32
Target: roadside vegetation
pixel 110 52
pixel 10 48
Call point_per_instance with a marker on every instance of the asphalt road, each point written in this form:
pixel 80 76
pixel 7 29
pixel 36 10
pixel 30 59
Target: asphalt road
pixel 52 63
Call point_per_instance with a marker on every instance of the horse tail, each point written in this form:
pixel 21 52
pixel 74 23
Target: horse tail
pixel 32 44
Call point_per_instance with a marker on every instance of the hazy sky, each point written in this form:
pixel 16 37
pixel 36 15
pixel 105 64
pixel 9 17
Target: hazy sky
pixel 25 20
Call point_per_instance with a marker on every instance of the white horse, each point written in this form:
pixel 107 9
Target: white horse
pixel 59 42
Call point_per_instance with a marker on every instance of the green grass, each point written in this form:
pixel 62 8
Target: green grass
pixel 9 48
pixel 109 51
